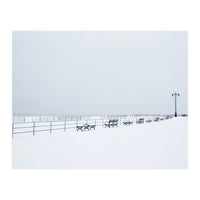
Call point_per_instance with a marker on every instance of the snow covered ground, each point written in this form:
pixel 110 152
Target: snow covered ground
pixel 156 145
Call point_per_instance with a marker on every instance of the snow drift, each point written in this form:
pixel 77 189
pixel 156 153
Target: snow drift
pixel 156 145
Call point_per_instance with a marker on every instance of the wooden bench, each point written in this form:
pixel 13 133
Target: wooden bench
pixel 86 127
pixel 167 117
pixel 127 123
pixel 107 124
pixel 92 127
pixel 79 128
pixel 111 123
pixel 140 121
pixel 156 119
pixel 148 121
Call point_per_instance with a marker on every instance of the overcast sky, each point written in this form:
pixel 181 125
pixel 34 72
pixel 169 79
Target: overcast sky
pixel 99 72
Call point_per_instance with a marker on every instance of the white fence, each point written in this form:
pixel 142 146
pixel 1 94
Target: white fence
pixel 38 126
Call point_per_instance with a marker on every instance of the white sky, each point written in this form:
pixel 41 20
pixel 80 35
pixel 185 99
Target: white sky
pixel 99 72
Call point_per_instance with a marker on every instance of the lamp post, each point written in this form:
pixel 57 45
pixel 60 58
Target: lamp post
pixel 175 95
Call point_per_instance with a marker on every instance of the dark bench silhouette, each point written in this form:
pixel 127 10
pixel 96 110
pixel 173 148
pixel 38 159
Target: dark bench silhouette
pixel 156 119
pixel 86 127
pixel 79 128
pixel 167 117
pixel 127 123
pixel 140 121
pixel 92 127
pixel 111 123
pixel 148 120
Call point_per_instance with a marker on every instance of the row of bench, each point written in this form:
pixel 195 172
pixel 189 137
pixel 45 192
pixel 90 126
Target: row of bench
pixel 110 123
pixel 114 123
pixel 141 120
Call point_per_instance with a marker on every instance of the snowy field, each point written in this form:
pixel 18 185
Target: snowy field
pixel 156 145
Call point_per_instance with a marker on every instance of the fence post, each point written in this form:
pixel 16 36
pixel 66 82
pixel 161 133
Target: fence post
pixel 102 122
pixel 50 126
pixel 65 126
pixel 33 128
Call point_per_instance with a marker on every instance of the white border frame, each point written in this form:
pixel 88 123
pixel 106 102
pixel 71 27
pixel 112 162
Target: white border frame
pixel 99 15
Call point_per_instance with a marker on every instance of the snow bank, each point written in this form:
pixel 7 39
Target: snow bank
pixel 156 145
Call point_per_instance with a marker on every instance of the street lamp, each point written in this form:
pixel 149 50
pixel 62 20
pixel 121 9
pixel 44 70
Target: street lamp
pixel 175 95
